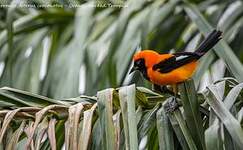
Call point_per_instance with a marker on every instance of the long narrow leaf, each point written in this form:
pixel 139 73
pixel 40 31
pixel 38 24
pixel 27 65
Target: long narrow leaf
pixel 181 130
pixel 127 101
pixel 192 114
pixel 231 124
pixel 106 122
pixel 165 132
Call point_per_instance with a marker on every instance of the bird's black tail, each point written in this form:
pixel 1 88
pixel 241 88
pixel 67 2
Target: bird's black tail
pixel 209 42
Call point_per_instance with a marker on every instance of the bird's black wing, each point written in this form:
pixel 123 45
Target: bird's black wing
pixel 178 60
pixel 182 58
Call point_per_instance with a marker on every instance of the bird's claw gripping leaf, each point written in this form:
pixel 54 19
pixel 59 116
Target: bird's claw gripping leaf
pixel 171 105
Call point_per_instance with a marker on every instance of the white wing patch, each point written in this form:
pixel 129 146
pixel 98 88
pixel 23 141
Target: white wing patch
pixel 180 58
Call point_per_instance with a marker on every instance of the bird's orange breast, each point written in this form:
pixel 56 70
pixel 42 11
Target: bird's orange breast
pixel 176 76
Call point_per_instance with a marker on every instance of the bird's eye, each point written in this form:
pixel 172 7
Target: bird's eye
pixel 139 63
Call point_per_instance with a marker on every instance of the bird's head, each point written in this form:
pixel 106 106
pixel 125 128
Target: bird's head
pixel 143 60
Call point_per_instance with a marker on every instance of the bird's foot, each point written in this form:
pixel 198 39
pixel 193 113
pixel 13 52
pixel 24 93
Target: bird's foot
pixel 171 105
pixel 162 89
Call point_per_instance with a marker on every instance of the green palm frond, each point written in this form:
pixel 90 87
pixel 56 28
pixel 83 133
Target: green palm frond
pixel 127 124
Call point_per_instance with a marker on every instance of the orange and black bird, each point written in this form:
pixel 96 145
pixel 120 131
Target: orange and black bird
pixel 170 69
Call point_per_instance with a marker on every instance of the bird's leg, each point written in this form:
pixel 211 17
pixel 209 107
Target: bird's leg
pixel 174 89
pixel 166 90
pixel 172 104
pixel 162 89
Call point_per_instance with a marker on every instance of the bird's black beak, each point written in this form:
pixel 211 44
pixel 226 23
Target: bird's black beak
pixel 133 69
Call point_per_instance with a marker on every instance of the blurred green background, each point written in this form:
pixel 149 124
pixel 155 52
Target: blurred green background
pixel 61 48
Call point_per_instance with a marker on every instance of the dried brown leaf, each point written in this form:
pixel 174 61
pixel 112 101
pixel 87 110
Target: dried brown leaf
pixel 39 115
pixel 51 133
pixel 71 126
pixel 16 135
pixel 86 130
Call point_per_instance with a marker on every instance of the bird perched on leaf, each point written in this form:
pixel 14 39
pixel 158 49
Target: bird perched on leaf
pixel 170 69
